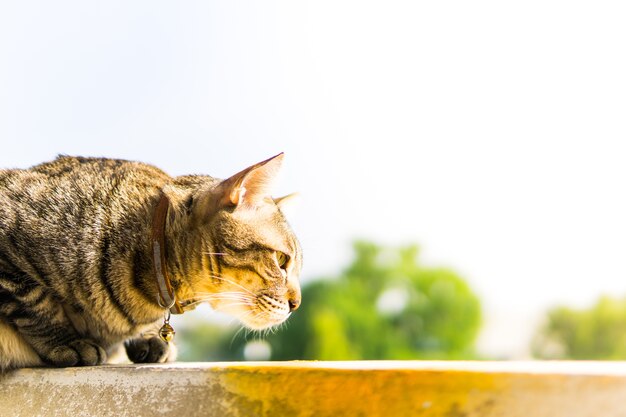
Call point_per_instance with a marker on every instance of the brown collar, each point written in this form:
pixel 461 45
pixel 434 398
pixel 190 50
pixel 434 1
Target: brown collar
pixel 166 296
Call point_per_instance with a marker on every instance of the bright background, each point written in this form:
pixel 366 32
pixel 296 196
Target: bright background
pixel 491 133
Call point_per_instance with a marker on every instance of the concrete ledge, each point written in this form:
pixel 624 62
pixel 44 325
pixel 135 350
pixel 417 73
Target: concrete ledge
pixel 412 388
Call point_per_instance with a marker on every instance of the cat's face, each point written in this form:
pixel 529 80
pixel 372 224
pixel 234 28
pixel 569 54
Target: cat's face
pixel 252 259
pixel 256 266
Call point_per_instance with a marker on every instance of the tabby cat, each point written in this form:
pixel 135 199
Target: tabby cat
pixel 77 272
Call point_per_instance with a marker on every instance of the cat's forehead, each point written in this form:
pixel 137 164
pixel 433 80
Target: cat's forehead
pixel 266 225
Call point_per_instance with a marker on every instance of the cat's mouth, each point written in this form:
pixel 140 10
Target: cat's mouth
pixel 254 312
pixel 264 312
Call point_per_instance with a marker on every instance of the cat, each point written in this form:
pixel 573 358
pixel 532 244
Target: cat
pixel 82 259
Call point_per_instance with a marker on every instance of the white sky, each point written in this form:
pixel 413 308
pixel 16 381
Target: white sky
pixel 491 133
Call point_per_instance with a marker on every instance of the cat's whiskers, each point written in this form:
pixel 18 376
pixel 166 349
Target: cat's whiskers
pixel 218 298
pixel 246 314
pixel 258 315
pixel 243 303
pixel 234 302
pixel 223 295
pixel 200 297
pixel 246 298
pixel 243 327
pixel 222 307
pixel 235 336
pixel 234 283
pixel 221 292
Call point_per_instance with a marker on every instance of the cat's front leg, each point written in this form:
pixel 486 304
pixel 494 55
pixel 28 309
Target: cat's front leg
pixel 77 352
pixel 55 340
pixel 150 349
pixel 59 345
pixel 45 327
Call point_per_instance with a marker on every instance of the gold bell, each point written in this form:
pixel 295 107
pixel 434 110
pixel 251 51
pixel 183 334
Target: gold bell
pixel 166 332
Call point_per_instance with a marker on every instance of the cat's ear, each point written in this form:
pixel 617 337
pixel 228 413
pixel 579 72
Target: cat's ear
pixel 252 185
pixel 247 188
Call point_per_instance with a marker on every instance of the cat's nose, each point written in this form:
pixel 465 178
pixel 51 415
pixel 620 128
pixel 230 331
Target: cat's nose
pixel 294 295
pixel 294 303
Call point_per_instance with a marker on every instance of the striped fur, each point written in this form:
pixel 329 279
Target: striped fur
pixel 76 279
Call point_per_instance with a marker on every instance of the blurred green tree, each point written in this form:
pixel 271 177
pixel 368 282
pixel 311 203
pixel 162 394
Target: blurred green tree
pixel 595 333
pixel 204 342
pixel 385 305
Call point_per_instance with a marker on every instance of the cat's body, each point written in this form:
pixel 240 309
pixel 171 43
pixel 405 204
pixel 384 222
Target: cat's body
pixel 76 274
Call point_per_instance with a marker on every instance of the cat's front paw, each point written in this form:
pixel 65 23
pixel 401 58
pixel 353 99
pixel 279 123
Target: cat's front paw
pixel 149 350
pixel 81 352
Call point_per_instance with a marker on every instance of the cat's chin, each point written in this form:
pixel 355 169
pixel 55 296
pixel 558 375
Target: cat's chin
pixel 261 315
pixel 260 324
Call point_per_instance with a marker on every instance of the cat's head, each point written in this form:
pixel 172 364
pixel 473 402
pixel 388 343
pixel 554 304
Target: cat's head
pixel 251 258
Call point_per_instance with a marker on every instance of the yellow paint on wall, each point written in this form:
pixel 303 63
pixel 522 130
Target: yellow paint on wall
pixel 321 389
pixel 337 392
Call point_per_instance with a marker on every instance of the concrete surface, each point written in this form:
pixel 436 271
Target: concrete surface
pixel 411 388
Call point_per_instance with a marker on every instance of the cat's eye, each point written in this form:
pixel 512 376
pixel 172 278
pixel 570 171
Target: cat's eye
pixel 282 260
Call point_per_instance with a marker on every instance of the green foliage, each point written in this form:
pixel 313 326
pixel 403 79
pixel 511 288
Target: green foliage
pixel 385 305
pixel 204 342
pixel 595 333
